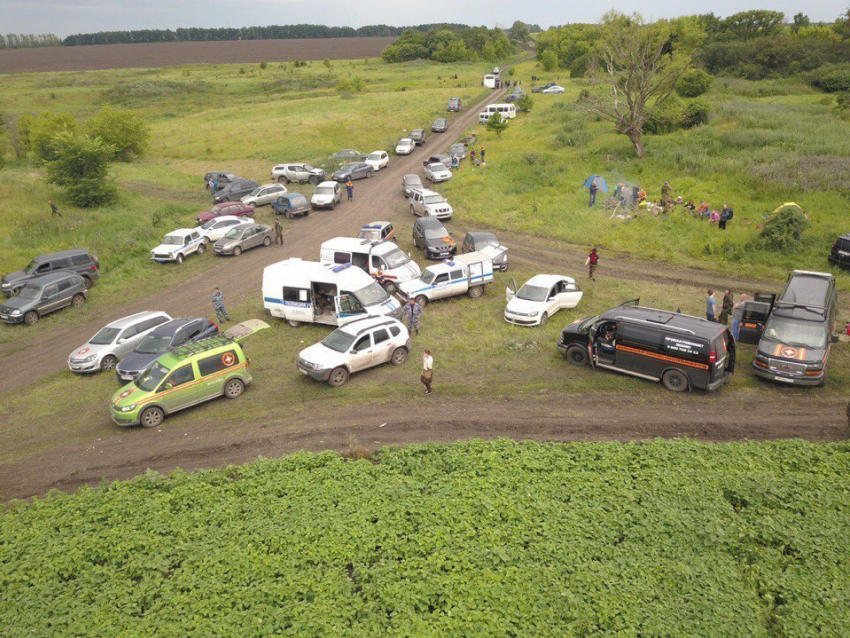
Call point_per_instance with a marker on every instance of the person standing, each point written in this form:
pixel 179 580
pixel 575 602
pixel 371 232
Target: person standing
pixel 711 306
pixel 593 188
pixel 278 232
pixel 738 316
pixel 54 209
pixel 214 185
pixel 591 263
pixel 349 188
pixel 483 152
pixel 412 317
pixel 218 304
pixel 725 216
pixel 427 377
pixel 726 307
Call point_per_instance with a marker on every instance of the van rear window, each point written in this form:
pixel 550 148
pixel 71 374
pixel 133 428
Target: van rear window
pixel 218 362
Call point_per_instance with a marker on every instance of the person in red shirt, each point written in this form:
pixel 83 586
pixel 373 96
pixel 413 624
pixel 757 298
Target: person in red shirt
pixel 592 262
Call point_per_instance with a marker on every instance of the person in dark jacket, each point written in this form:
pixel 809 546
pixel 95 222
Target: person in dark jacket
pixel 412 317
pixel 592 262
pixel 725 216
pixel 593 188
pixel 726 307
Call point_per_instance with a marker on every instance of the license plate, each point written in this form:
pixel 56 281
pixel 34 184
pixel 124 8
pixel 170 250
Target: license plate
pixel 160 261
pixel 783 379
pixel 76 367
pixel 304 372
pixel 844 253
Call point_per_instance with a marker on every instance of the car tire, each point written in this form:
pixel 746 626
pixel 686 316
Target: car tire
pixel 422 300
pixel 152 417
pixel 78 300
pixel 87 282
pixel 544 319
pixel 289 214
pixel 293 323
pixel 108 364
pixel 391 288
pixel 675 380
pixel 333 205
pixel 505 269
pixel 179 259
pixel 267 241
pixel 337 377
pixel 314 180
pixel 234 388
pixel 476 291
pixel 399 356
pixel 237 251
pixel 370 174
pixel 412 210
pixel 577 355
pixel 201 248
pixel 31 318
pixel 283 179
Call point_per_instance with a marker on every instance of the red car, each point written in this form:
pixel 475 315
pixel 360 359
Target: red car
pixel 228 208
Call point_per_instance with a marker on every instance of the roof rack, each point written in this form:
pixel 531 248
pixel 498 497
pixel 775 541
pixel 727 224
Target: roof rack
pixel 202 345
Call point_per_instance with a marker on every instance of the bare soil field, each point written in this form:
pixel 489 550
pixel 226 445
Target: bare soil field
pixel 159 54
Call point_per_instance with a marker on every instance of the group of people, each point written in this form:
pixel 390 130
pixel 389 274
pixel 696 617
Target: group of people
pixel 472 158
pixel 706 213
pixel 728 308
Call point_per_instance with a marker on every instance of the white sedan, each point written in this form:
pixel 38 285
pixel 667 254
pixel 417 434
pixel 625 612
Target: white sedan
pixel 377 160
pixel 553 90
pixel 215 229
pixel 265 194
pixel 437 172
pixel 405 146
pixel 540 298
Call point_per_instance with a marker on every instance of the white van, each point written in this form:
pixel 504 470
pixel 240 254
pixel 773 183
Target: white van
pixel 312 292
pixel 372 256
pixel 490 81
pixel 507 111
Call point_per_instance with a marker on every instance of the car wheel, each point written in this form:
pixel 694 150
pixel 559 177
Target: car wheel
pixel 283 180
pixel 267 241
pixel 201 248
pixel 370 174
pixel 391 288
pixel 577 355
pixel 338 377
pixel 78 300
pixel 88 283
pixel 505 268
pixel 675 381
pixel 399 356
pixel 179 259
pixel 476 291
pixel 234 388
pixel 31 318
pixel 412 210
pixel 152 417
pixel 109 362
pixel 422 300
pixel 333 205
pixel 544 319
pixel 237 251
pixel 313 180
pixel 289 214
pixel 293 323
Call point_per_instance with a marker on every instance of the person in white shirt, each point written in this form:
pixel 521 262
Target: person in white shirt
pixel 427 370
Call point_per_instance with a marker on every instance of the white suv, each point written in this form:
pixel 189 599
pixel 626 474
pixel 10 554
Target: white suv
pixel 377 160
pixel 428 203
pixel 360 344
pixel 177 245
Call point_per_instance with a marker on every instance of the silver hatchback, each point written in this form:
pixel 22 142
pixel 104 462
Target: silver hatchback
pixel 114 341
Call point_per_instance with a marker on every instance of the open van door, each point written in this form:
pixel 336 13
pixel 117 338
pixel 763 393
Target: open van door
pixel 753 320
pixel 245 329
pixel 510 291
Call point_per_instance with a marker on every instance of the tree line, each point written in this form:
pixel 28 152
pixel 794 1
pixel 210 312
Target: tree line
pixel 29 40
pixel 447 44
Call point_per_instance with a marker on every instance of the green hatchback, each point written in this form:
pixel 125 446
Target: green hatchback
pixel 185 376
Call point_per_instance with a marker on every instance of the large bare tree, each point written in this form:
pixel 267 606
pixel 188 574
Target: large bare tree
pixel 638 66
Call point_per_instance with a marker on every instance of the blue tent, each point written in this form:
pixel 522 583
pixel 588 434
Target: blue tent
pixel 601 184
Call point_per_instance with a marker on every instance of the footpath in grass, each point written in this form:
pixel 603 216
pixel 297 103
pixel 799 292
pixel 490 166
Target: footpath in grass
pixel 667 538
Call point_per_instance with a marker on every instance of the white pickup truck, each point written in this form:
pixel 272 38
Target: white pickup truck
pixel 467 273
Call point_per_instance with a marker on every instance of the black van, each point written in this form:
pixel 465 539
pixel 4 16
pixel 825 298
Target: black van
pixel 681 351
pixel 840 253
pixel 797 337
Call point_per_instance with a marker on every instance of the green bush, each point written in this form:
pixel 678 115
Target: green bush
pixel 842 101
pixel 496 124
pixel 696 113
pixel 121 129
pixel 666 118
pixel 80 164
pixel 348 86
pixel 40 130
pixel 525 103
pixel 832 78
pixel 784 230
pixel 693 83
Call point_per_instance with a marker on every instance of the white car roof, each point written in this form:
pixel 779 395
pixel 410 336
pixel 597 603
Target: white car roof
pixel 182 231
pixel 230 218
pixel 357 244
pixel 439 165
pixel 377 152
pixel 425 192
pixel 405 140
pixel 358 325
pixel 327 183
pixel 548 280
pixel 270 184
pixel 133 319
pixel 351 277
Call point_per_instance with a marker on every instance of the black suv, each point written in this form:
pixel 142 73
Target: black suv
pixel 431 236
pixel 74 261
pixel 840 253
pixel 235 191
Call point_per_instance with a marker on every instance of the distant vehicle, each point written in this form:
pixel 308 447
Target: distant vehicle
pixel 459 151
pixel 263 195
pixel 167 335
pixel 454 104
pixel 347 155
pixel 77 261
pixel 216 228
pixel 299 173
pixel 43 295
pixel 437 172
pixel 232 209
pixel 361 344
pixel 433 239
pixel 445 160
pixel 427 203
pixel 327 195
pixel 539 298
pixel 496 70
pixel 418 135
pixel 235 191
pixel 440 125
pixel 507 111
pixel 410 183
pixel 517 95
pixel 353 172
pixel 477 240
pixel 378 160
pixel 840 253
pixel 224 178
pixel 244 237
pixel 177 245
pixel 540 89
pixel 405 146
pixel 371 257
pixel 553 90
pixel 114 341
pixel 292 205
pixel 491 81
pixel 377 231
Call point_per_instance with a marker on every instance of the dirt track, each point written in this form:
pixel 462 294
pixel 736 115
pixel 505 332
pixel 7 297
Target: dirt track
pixel 160 54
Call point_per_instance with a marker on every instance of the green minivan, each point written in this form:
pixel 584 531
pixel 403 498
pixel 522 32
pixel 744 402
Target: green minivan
pixel 185 376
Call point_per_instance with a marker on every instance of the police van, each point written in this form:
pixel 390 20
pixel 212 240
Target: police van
pixel 372 256
pixel 681 351
pixel 312 292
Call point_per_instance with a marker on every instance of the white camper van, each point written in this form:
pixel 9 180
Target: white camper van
pixel 507 111
pixel 372 256
pixel 311 292
pixel 491 80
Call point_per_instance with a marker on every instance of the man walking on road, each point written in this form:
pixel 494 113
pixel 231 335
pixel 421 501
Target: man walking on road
pixel 412 317
pixel 218 304
pixel 278 232
pixel 737 316
pixel 349 188
pixel 427 370
pixel 54 209
pixel 591 263
pixel 711 306
pixel 593 188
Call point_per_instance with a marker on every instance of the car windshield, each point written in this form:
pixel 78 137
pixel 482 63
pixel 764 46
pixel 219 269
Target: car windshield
pixel 427 277
pixel 30 292
pixel 396 258
pixel 436 233
pixel 149 379
pixel 173 240
pixel 413 181
pixel 104 336
pixel 154 344
pixel 31 267
pixel 436 167
pixel 804 334
pixel 348 167
pixel 439 122
pixel 405 142
pixel 256 191
pixel 532 293
pixel 458 148
pixel 338 340
pixel 233 233
pixel 209 224
pixel 325 190
pixel 434 199
pixel 374 156
pixel 369 234
pixel 371 295
pixel 307 167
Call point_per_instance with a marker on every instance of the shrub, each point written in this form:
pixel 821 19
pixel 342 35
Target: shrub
pixel 525 103
pixel 696 113
pixel 784 230
pixel 549 60
pixel 40 130
pixel 80 164
pixel 842 101
pixel 121 129
pixel 832 78
pixel 694 83
pixel 264 65
pixel 349 86
pixel 496 124
pixel 666 118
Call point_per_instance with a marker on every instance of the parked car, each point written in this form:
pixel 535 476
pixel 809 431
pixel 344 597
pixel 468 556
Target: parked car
pixel 410 183
pixel 840 253
pixel 179 244
pixel 114 341
pixel 77 261
pixel 327 195
pixel 477 240
pixel 437 172
pixel 552 90
pixel 517 95
pixel 539 298
pixel 347 155
pixel 445 160
pixel 427 203
pixel 378 160
pixel 299 173
pixel 263 195
pixel 440 125
pixel 453 105
pixel 433 239
pixel 353 171
pixel 405 146
pixel 292 205
pixel 540 89
pixel 459 151
pixel 159 340
pixel 418 135
pixel 43 295
pixel 233 209
pixel 377 231
pixel 185 376
pixel 216 228
pixel 361 344
pixel 244 237
pixel 224 178
pixel 235 191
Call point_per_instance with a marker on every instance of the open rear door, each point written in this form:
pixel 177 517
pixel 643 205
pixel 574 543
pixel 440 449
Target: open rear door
pixel 510 291
pixel 245 329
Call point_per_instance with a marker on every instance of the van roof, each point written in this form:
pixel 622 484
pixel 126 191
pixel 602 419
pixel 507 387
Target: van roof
pixel 343 275
pixel 673 321
pixel 357 244
pixel 132 319
pixel 806 296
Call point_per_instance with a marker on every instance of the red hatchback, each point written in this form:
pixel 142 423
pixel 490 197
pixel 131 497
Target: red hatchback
pixel 228 208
